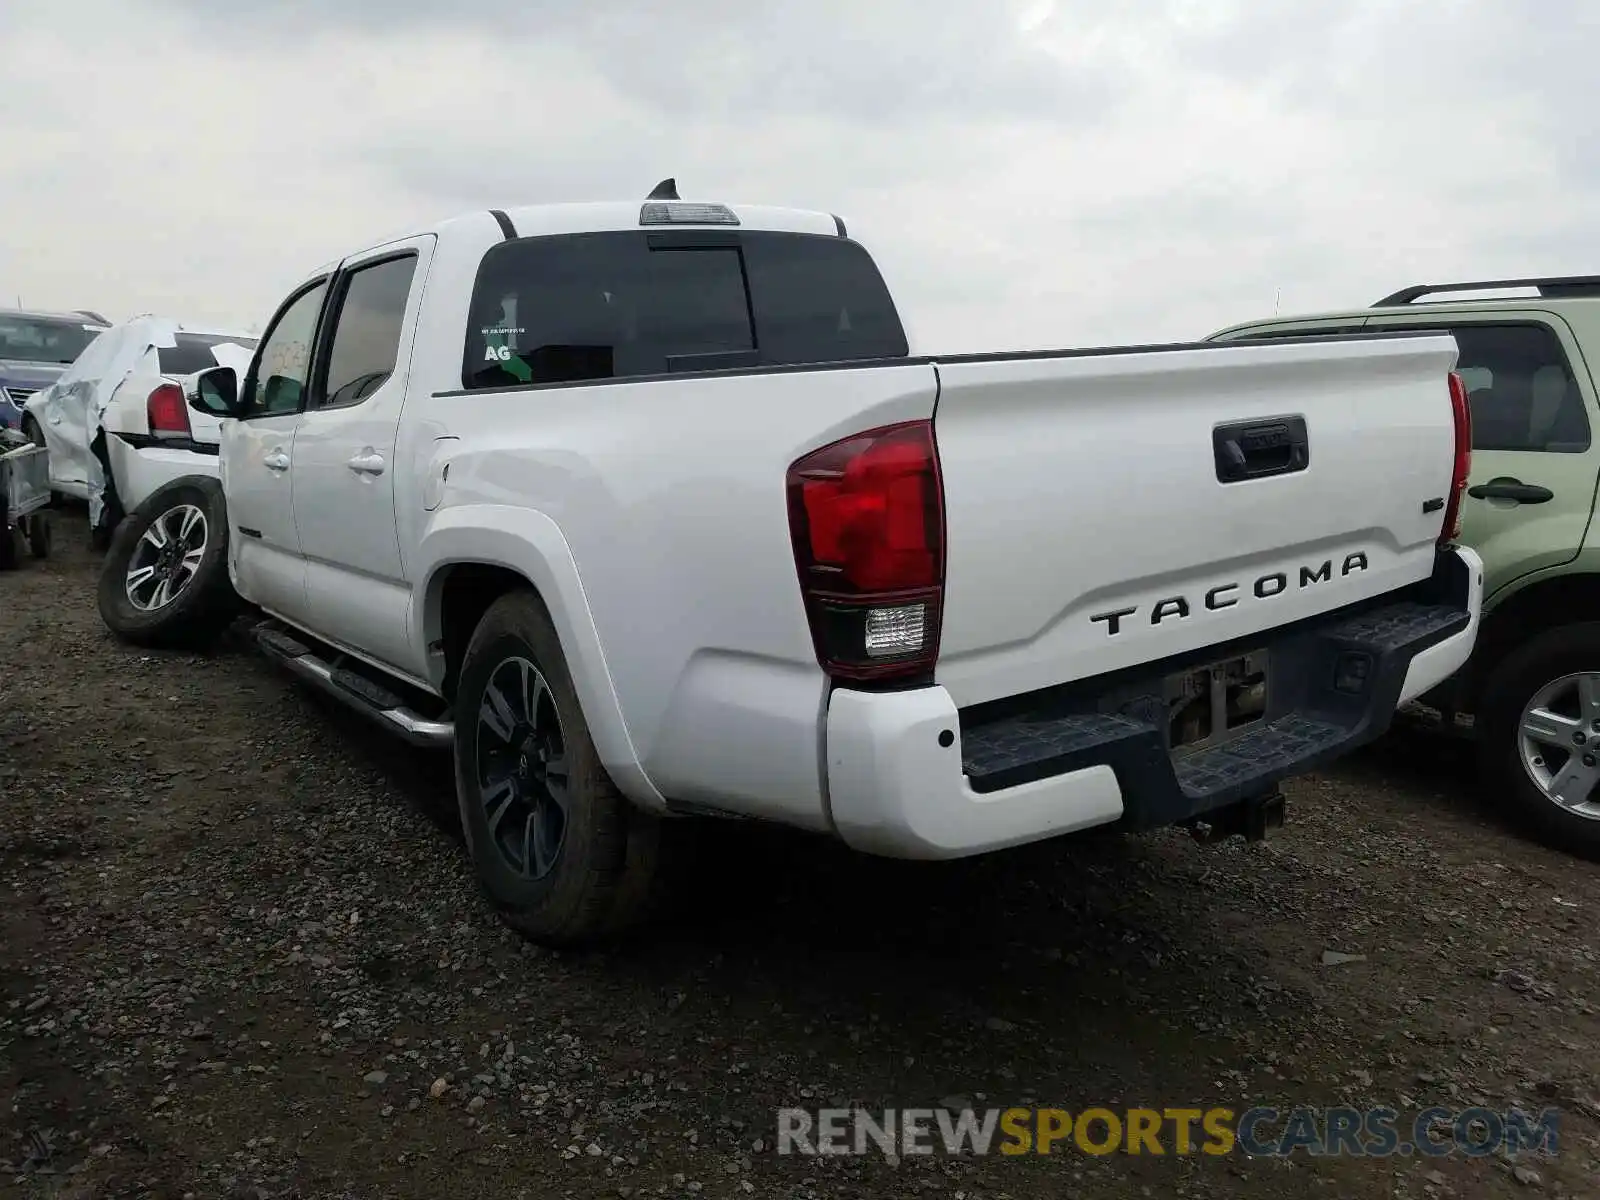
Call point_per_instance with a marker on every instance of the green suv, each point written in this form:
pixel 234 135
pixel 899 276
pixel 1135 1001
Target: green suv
pixel 1533 684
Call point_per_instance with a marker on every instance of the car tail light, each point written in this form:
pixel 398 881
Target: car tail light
pixel 168 415
pixel 1461 409
pixel 866 515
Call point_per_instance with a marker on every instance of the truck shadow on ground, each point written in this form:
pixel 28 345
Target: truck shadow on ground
pixel 1093 969
pixel 770 914
pixel 752 887
pixel 1436 773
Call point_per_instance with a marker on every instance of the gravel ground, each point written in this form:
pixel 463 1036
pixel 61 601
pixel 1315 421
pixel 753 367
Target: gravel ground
pixel 240 955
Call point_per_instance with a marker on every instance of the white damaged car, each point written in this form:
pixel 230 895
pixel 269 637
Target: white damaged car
pixel 115 422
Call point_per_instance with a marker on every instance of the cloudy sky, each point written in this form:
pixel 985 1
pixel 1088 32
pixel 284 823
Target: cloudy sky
pixel 1028 173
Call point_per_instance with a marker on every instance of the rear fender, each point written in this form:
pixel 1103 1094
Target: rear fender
pixel 161 496
pixel 530 544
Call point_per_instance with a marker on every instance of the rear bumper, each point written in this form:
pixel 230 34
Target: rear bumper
pixel 141 465
pixel 910 776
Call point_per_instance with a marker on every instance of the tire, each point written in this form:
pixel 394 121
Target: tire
pixel 8 544
pixel 1540 666
pixel 599 875
pixel 40 535
pixel 112 514
pixel 202 602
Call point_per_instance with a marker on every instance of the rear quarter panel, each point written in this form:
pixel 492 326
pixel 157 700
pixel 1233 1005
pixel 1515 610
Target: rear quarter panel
pixel 670 497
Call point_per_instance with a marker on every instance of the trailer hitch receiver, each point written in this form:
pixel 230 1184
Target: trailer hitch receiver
pixel 1251 819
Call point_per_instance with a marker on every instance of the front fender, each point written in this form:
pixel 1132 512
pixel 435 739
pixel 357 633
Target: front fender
pixel 531 544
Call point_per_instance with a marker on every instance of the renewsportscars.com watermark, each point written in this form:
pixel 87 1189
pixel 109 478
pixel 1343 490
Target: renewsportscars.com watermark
pixel 1260 1132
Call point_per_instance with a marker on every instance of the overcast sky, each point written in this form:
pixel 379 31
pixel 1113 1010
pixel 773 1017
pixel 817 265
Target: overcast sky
pixel 1028 174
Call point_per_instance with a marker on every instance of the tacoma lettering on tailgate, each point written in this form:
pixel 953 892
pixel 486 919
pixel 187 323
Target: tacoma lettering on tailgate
pixel 1226 595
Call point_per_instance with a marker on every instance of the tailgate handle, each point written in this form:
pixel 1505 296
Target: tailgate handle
pixel 1260 449
pixel 1512 489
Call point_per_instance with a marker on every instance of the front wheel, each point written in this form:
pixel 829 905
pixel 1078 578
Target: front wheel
pixel 1539 735
pixel 164 581
pixel 562 855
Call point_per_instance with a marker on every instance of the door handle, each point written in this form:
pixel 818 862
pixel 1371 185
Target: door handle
pixel 276 461
pixel 366 463
pixel 1511 489
pixel 1260 449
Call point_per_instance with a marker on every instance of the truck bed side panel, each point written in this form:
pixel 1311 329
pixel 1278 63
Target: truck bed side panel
pixel 671 496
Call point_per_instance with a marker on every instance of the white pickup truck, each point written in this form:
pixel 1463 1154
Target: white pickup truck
pixel 650 511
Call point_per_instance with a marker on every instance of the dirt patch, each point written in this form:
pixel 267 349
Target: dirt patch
pixel 241 950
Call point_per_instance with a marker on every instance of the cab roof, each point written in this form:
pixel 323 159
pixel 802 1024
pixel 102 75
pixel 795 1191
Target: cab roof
pixel 662 209
pixel 536 220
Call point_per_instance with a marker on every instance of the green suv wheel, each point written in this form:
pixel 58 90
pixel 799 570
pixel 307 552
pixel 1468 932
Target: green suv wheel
pixel 1539 740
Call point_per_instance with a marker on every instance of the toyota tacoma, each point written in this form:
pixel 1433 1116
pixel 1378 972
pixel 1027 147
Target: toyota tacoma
pixel 652 511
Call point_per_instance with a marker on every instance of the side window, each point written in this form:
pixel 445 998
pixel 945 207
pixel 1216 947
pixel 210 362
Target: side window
pixel 366 331
pixel 283 365
pixel 193 352
pixel 1522 389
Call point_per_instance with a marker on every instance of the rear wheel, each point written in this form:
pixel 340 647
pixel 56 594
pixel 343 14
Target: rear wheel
pixel 563 856
pixel 40 535
pixel 1539 735
pixel 164 581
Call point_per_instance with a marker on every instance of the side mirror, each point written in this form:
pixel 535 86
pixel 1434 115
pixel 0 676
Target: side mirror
pixel 215 392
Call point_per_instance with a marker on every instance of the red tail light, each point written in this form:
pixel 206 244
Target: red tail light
pixel 1462 410
pixel 169 416
pixel 866 515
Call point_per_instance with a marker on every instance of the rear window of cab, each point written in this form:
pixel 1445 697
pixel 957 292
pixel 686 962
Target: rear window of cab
pixel 593 306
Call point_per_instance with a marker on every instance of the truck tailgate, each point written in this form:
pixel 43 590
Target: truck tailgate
pixel 1106 510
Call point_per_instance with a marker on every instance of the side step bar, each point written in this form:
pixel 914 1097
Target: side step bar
pixel 358 692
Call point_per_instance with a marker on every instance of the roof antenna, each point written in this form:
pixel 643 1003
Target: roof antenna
pixel 667 189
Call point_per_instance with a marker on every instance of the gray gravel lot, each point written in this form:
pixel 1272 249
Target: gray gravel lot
pixel 241 957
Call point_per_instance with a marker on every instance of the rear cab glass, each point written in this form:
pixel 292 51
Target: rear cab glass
pixel 575 307
pixel 193 352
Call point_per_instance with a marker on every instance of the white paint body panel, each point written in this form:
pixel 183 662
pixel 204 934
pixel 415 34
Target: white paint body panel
pixel 651 516
pixel 895 791
pixel 345 519
pixel 264 558
pixel 1434 665
pixel 140 471
pixel 1077 486
pixel 107 388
